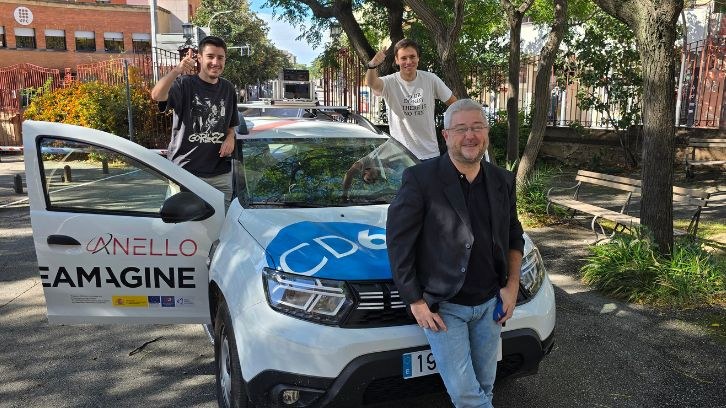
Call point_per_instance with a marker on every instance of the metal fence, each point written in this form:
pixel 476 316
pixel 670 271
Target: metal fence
pixel 345 85
pixel 20 82
pixel 702 102
pixel 702 99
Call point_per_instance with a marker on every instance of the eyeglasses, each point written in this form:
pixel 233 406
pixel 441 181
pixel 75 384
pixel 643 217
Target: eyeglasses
pixel 461 130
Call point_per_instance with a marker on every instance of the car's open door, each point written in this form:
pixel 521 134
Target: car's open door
pixel 121 233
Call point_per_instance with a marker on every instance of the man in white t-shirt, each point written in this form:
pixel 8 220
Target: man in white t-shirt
pixel 410 95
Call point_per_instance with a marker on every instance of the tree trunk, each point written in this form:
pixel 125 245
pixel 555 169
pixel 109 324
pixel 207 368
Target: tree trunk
pixel 445 37
pixel 542 91
pixel 654 25
pixel 343 12
pixel 452 76
pixel 395 33
pixel 515 15
pixel 515 30
pixel 656 41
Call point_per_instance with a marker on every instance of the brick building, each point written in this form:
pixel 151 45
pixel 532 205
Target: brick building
pixel 62 34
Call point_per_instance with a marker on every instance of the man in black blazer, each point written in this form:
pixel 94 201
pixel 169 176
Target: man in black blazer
pixel 455 246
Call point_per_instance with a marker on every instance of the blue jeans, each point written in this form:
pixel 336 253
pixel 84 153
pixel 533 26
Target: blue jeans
pixel 466 353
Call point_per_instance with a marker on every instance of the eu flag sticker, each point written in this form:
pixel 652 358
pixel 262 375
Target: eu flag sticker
pixel 167 301
pixel 154 301
pixel 407 371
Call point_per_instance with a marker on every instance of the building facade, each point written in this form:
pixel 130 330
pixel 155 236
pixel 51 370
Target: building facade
pixel 62 34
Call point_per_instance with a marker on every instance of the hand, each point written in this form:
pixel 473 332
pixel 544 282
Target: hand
pixel 378 58
pixel 188 65
pixel 227 147
pixel 509 300
pixel 425 318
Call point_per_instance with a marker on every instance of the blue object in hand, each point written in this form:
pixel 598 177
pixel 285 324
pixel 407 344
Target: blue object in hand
pixel 498 309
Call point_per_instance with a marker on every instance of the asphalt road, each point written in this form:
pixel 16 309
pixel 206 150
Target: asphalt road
pixel 607 353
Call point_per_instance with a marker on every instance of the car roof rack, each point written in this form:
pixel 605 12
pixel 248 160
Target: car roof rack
pixel 289 103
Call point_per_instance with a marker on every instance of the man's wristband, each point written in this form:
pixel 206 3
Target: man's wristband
pixel 369 66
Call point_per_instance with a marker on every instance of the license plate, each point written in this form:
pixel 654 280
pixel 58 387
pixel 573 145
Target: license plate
pixel 420 363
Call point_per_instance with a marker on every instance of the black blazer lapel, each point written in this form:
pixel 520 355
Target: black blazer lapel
pixel 496 207
pixel 452 190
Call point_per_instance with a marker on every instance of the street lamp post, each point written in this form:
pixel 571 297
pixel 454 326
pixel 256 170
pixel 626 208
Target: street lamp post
pixel 187 32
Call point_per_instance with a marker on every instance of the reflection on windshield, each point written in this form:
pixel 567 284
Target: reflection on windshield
pixel 273 112
pixel 319 172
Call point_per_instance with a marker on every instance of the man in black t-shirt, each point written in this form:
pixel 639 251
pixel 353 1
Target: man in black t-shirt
pixel 205 114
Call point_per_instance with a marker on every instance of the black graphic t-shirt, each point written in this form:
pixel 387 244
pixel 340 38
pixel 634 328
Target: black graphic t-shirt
pixel 203 113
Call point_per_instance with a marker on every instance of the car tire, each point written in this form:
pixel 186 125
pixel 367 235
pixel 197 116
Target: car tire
pixel 231 388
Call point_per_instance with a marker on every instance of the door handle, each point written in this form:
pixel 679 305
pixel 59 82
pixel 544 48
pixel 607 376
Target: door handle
pixel 62 240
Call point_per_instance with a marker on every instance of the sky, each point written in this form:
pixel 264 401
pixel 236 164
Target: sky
pixel 283 35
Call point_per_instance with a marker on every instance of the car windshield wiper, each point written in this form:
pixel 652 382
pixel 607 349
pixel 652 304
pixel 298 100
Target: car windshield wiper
pixel 299 204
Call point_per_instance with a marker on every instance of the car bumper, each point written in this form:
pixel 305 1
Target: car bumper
pixel 378 377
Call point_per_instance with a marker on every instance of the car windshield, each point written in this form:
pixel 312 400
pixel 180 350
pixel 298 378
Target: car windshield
pixel 321 171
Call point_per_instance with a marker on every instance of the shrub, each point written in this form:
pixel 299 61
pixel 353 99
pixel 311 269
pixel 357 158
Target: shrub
pixel 99 106
pixel 532 196
pixel 628 267
pixel 498 135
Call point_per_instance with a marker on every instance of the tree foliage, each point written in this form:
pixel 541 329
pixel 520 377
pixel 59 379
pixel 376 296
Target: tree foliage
pixel 239 28
pixel 605 60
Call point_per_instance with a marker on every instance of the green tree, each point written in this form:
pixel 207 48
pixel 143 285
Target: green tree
pixel 361 37
pixel 654 24
pixel 542 92
pixel 606 62
pixel 454 34
pixel 242 27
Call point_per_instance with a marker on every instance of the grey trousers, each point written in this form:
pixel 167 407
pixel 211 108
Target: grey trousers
pixel 223 183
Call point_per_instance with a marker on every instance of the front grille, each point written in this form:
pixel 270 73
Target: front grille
pixel 394 388
pixel 377 304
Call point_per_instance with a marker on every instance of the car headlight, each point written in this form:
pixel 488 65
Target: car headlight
pixel 532 273
pixel 322 301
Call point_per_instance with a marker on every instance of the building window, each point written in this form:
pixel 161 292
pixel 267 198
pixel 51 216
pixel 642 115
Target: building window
pixel 85 41
pixel 55 40
pixel 113 42
pixel 3 44
pixel 25 38
pixel 141 42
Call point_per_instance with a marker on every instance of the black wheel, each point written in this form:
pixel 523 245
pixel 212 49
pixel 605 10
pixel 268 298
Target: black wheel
pixel 231 391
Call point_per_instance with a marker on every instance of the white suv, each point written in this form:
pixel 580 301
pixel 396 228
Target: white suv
pixel 294 280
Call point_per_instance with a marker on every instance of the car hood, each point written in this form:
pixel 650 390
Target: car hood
pixel 345 243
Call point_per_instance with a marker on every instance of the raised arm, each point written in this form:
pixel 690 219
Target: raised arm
pixel 187 66
pixel 352 172
pixel 372 78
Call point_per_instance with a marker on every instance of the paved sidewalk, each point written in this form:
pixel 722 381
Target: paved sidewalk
pixel 10 165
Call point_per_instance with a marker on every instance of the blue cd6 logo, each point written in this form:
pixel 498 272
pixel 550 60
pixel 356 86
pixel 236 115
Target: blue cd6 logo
pixel 334 250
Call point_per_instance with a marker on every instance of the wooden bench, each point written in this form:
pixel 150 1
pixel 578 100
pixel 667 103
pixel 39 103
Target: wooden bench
pixel 689 197
pixel 694 144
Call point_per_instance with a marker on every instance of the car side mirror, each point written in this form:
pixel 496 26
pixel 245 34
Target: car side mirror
pixel 185 206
